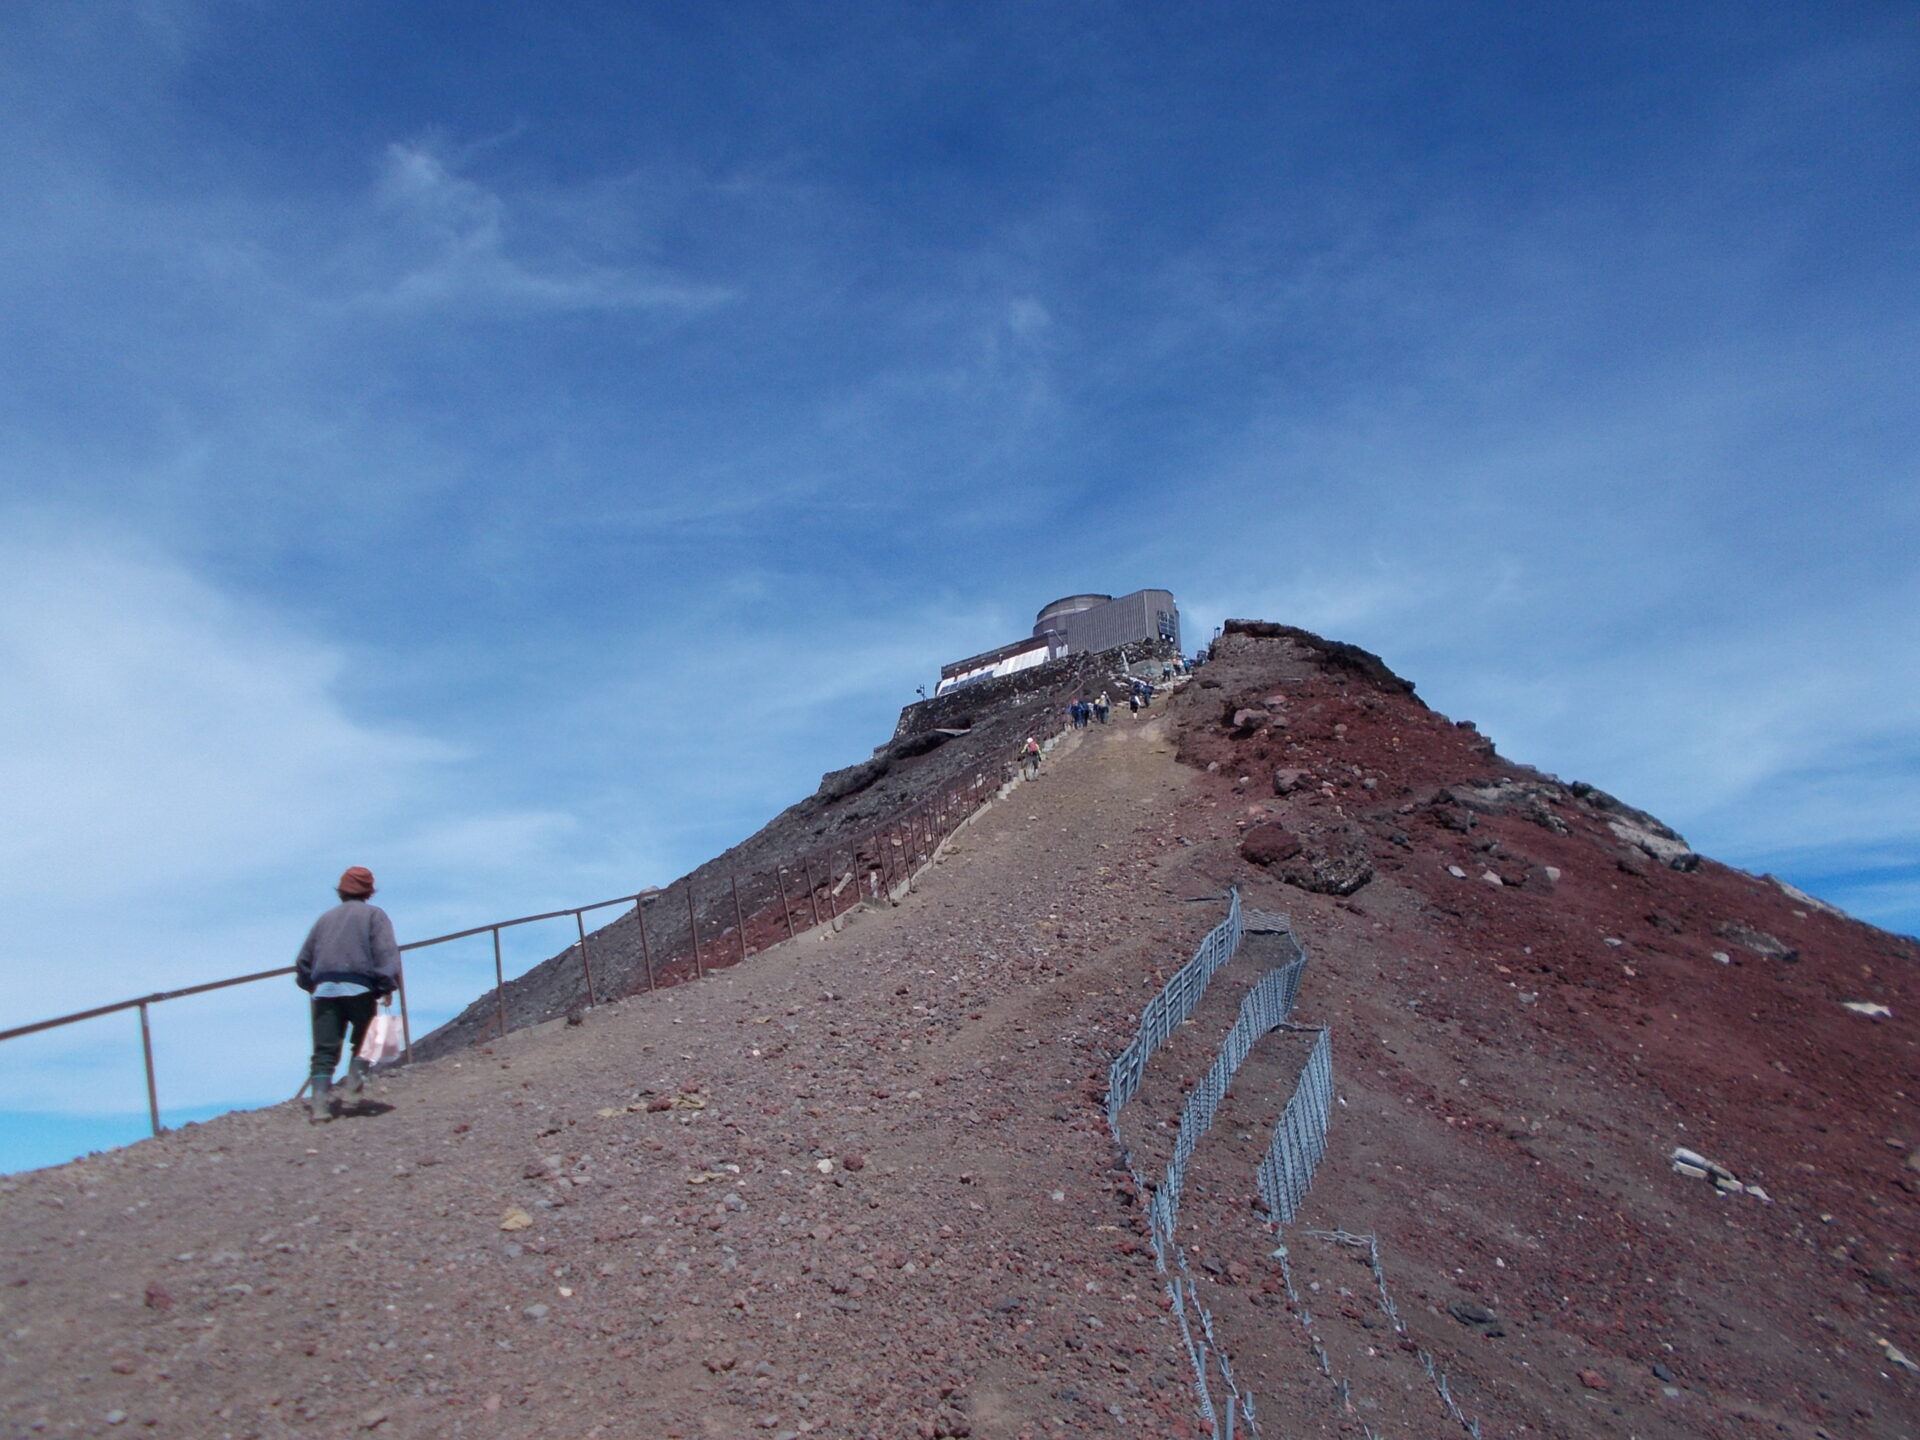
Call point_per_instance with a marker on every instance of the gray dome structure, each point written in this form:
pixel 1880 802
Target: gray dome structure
pixel 1054 617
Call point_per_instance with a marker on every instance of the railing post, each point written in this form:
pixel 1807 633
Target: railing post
pixel 406 1026
pixel 499 985
pixel 586 965
pixel 739 925
pixel 646 948
pixel 813 896
pixel 693 932
pixel 146 1052
pixel 786 908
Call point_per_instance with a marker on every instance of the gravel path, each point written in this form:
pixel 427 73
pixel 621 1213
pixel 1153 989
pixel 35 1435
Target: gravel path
pixel 860 1186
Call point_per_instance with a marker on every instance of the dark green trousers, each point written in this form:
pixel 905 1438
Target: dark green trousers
pixel 332 1019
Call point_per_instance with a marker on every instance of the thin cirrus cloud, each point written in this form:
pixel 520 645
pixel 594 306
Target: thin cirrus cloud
pixel 452 242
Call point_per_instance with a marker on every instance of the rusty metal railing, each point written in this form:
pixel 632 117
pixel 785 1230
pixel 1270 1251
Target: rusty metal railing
pixel 876 862
pixel 145 1002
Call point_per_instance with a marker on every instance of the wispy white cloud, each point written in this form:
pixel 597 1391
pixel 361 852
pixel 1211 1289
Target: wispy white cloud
pixel 155 732
pixel 456 242
pixel 170 748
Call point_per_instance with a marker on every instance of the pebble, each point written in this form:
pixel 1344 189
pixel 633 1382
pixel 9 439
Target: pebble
pixel 535 1312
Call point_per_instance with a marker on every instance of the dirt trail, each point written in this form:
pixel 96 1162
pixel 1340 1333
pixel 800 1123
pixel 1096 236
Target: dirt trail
pixel 906 1220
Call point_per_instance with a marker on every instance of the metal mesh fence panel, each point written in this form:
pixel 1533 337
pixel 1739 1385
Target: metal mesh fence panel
pixel 1298 1144
pixel 1264 1009
pixel 1300 1139
pixel 1167 1009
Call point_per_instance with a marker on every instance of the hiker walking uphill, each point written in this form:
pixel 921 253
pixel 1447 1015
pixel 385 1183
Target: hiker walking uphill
pixel 1030 758
pixel 350 964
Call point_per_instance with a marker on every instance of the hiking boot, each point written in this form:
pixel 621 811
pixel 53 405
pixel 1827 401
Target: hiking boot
pixel 319 1102
pixel 356 1082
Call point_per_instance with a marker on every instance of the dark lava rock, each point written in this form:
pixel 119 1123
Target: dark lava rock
pixel 1332 858
pixel 1477 1317
pixel 1767 947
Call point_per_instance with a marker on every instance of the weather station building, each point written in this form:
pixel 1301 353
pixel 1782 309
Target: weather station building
pixel 1074 625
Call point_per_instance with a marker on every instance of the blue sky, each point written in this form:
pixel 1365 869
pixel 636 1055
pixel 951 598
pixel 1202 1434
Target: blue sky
pixel 521 451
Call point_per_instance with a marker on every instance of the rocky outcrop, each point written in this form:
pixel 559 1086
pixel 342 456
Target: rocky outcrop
pixel 1333 655
pixel 1325 856
pixel 1767 947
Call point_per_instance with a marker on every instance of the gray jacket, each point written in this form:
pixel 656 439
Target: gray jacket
pixel 353 942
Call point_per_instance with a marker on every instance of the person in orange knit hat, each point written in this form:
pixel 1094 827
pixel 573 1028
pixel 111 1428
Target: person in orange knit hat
pixel 350 964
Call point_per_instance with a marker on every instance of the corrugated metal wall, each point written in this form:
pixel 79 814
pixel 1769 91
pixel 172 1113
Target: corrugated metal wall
pixel 1142 616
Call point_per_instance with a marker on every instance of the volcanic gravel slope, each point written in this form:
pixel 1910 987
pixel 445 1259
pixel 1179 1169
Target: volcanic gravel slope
pixel 968 737
pixel 862 1184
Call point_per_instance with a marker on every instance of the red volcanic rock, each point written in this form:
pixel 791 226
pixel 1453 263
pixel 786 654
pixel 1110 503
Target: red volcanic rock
pixel 1268 844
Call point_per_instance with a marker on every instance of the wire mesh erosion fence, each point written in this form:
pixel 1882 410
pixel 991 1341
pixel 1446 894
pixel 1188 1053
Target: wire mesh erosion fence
pixel 815 887
pixel 1371 1244
pixel 1285 1172
pixel 1264 1008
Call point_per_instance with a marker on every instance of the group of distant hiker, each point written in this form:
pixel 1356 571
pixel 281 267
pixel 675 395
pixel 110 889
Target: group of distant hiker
pixel 1083 712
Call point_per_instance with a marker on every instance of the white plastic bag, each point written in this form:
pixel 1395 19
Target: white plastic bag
pixel 383 1040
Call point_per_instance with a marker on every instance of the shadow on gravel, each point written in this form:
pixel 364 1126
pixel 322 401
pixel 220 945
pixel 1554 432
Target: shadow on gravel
pixel 361 1110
